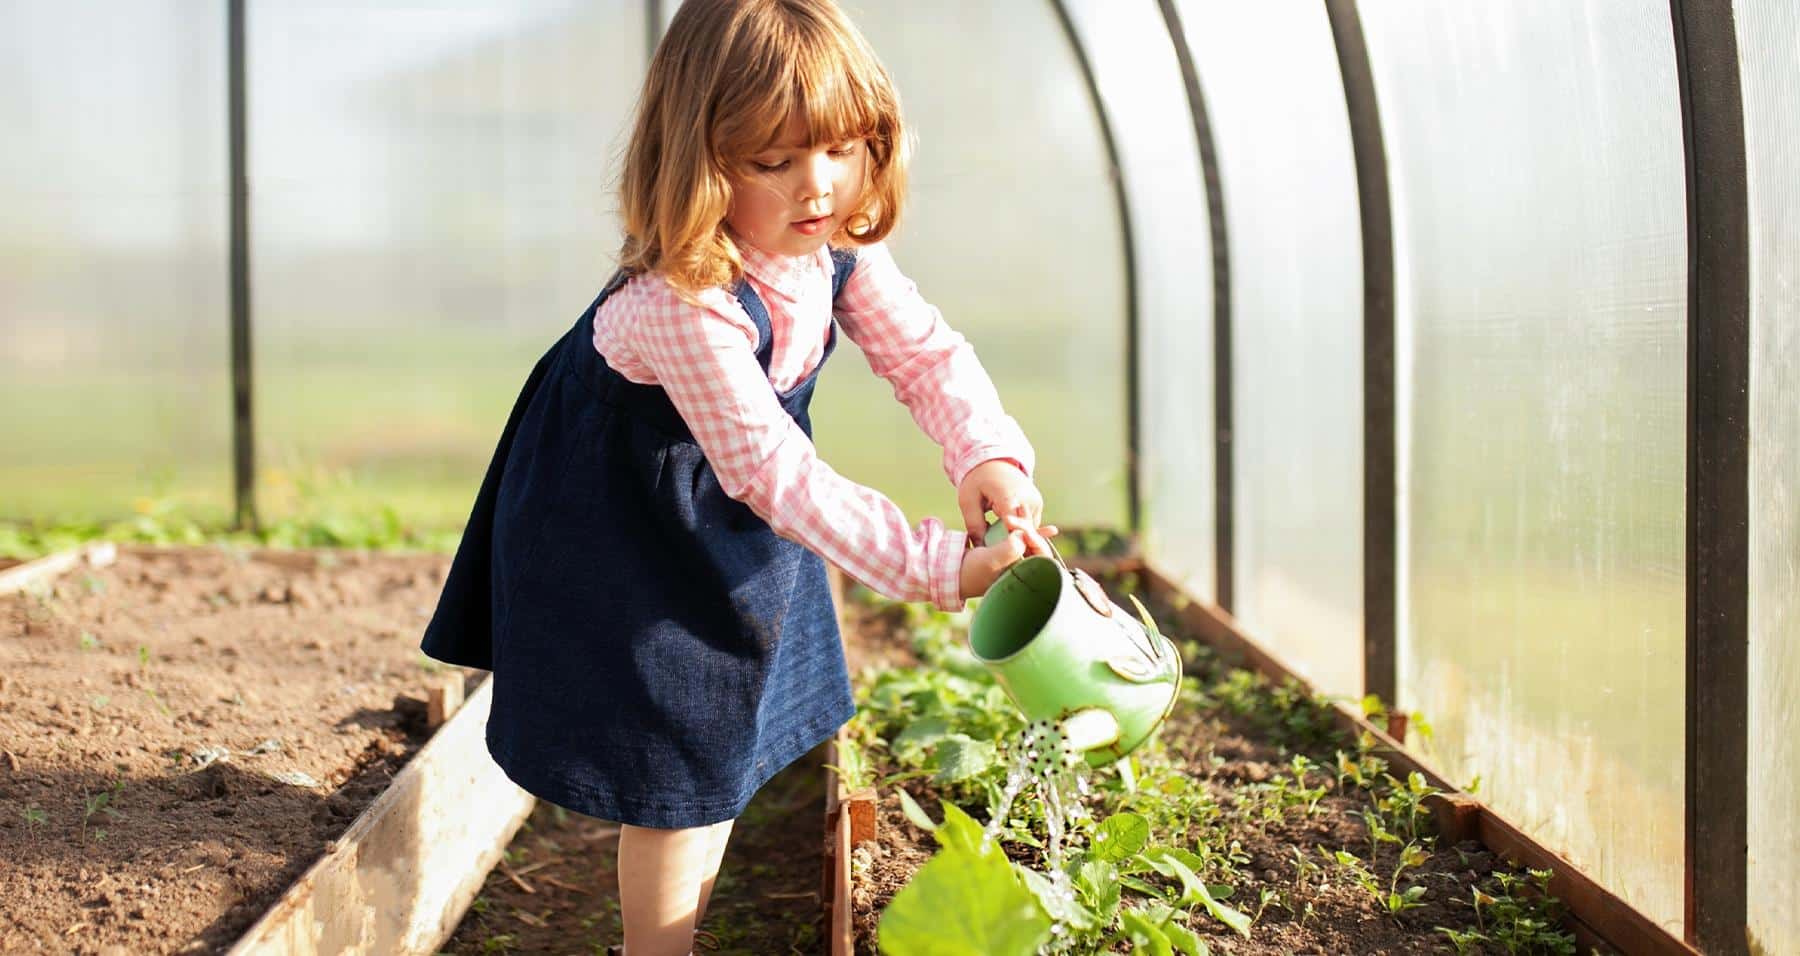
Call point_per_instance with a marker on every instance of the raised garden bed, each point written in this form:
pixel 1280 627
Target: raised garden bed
pixel 193 741
pixel 1255 823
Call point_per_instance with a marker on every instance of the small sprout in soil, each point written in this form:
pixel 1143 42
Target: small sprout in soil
pixel 89 641
pixel 502 943
pixel 92 584
pixel 1465 942
pixel 99 701
pixel 157 700
pixel 1264 897
pixel 480 906
pixel 35 816
pixel 99 803
pixel 143 656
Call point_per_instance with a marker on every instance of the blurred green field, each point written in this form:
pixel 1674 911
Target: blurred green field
pixel 354 425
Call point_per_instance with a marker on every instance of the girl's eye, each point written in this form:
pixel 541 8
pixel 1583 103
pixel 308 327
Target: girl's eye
pixel 769 167
pixel 844 150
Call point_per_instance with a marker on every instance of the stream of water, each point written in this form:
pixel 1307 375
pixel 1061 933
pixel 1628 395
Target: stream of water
pixel 1041 763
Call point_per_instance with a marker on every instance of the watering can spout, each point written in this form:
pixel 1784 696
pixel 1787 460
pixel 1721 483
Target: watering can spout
pixel 1089 728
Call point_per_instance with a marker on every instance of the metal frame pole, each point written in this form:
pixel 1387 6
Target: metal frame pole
pixel 1718 476
pixel 243 422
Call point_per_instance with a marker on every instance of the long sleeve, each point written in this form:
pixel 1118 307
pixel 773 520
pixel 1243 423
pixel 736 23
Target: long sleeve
pixel 932 367
pixel 704 358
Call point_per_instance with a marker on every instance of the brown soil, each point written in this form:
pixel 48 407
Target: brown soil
pixel 223 714
pixel 1224 751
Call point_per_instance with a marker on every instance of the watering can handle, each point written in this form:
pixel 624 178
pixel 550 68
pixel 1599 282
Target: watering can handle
pixel 990 538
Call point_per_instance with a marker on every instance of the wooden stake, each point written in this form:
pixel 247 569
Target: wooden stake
pixel 442 700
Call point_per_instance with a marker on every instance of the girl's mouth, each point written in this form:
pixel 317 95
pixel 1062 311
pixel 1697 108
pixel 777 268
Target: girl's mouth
pixel 811 227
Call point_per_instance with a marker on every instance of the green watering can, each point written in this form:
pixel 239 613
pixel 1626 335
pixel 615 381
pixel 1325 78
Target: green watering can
pixel 1069 656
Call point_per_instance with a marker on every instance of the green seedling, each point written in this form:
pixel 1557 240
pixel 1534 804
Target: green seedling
pixel 1522 916
pixel 99 803
pixel 1402 804
pixel 35 816
pixel 156 699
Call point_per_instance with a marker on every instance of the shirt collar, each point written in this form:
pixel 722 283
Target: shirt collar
pixel 786 275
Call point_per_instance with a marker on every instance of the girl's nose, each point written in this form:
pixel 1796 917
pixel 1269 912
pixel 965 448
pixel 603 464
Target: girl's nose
pixel 820 169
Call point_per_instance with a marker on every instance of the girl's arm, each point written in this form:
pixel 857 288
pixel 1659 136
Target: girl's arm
pixel 933 369
pixel 704 358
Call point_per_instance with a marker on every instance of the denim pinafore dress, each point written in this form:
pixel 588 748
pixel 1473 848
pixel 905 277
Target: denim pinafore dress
pixel 658 652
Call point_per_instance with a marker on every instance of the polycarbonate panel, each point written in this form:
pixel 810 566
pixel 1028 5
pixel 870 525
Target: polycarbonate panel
pixel 1011 230
pixel 1768 34
pixel 1536 162
pixel 1282 140
pixel 433 188
pixel 114 356
pixel 1141 89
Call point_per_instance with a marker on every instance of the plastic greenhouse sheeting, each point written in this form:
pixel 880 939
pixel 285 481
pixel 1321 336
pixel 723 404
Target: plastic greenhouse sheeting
pixel 1141 90
pixel 1275 103
pixel 1768 33
pixel 1536 161
pixel 1011 231
pixel 114 356
pixel 431 208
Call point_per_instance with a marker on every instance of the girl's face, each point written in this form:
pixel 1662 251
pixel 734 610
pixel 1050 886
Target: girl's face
pixel 790 198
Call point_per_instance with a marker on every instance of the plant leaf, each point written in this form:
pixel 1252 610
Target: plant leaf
pixel 1185 941
pixel 1099 884
pixel 915 813
pixel 1146 937
pixel 960 758
pixel 922 732
pixel 965 901
pixel 1194 891
pixel 1059 907
pixel 1120 837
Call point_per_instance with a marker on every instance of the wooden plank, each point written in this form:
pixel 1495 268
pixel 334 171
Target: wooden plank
pixel 399 880
pixel 835 891
pixel 828 876
pixel 842 932
pixel 1596 914
pixel 21 576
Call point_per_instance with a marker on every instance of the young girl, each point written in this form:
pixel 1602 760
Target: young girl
pixel 642 570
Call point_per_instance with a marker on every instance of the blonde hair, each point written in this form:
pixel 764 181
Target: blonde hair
pixel 724 81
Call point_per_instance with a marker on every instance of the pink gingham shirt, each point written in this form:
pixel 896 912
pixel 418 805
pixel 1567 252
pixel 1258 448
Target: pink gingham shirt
pixel 704 357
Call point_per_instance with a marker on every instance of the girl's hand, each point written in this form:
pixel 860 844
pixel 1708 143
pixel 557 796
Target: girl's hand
pixel 1000 486
pixel 981 567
